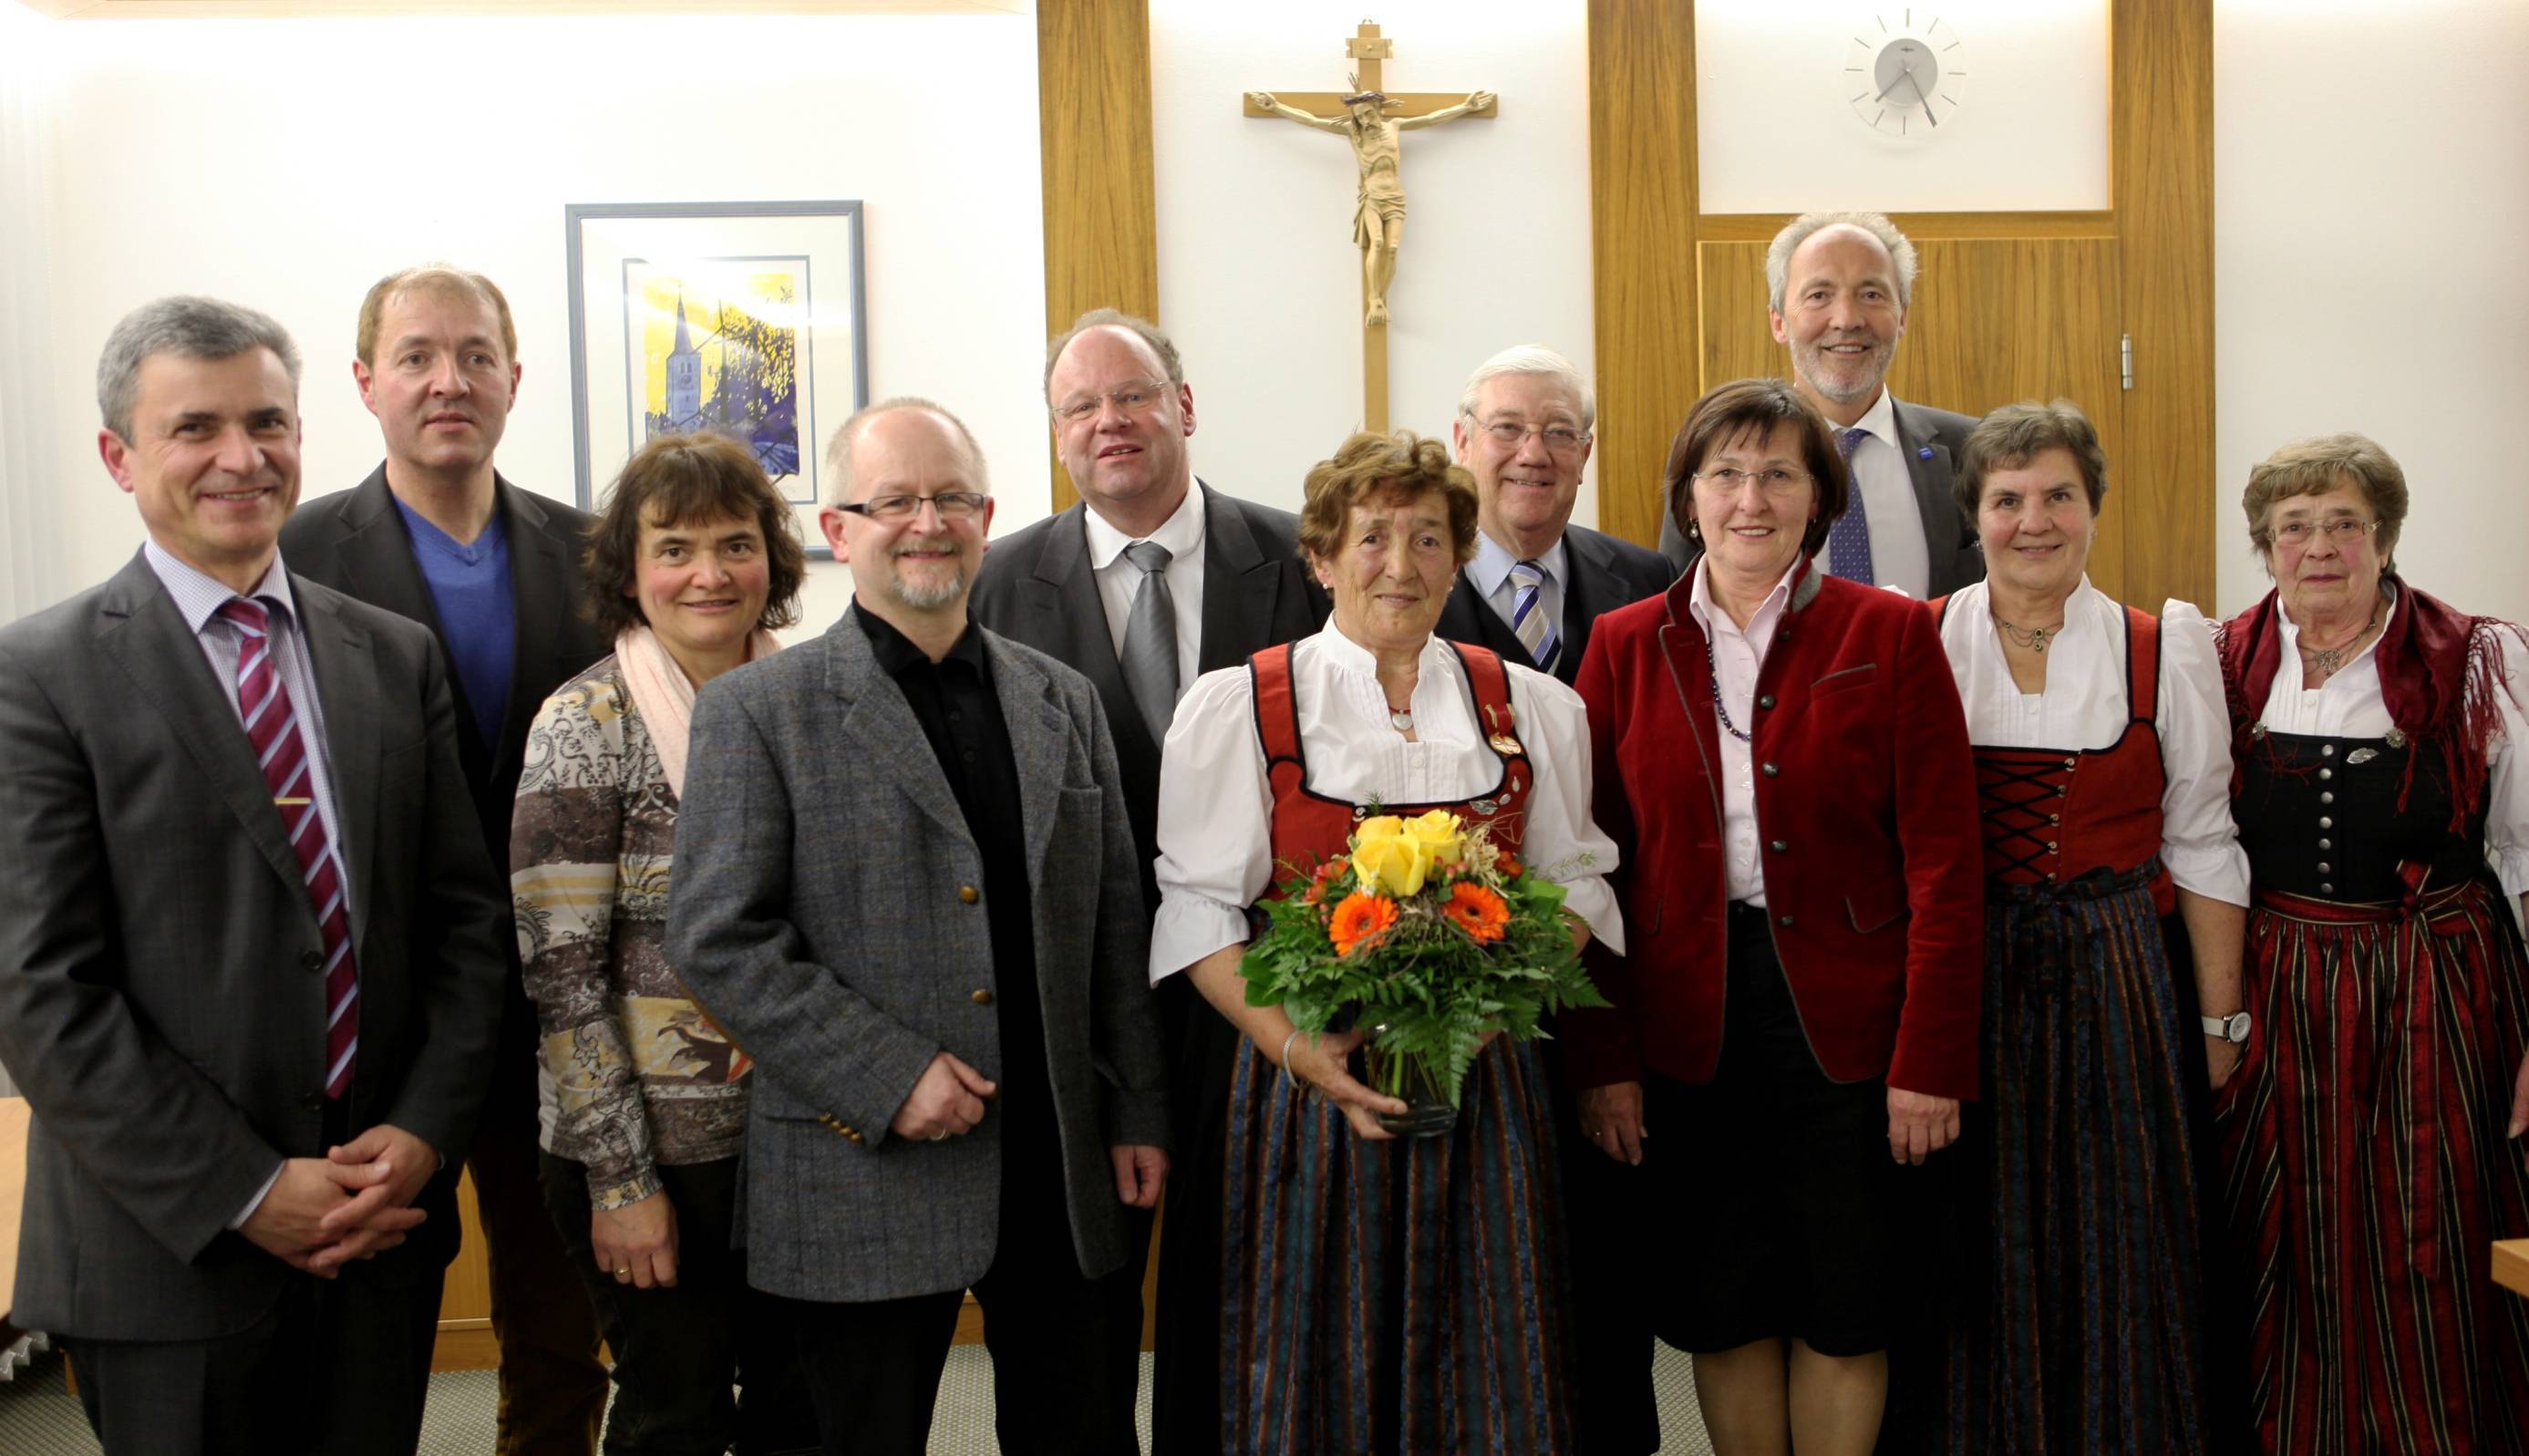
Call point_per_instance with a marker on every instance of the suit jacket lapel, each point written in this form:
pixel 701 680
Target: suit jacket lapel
pixel 145 636
pixel 377 558
pixel 1467 617
pixel 1040 746
pixel 1240 587
pixel 539 568
pixel 1068 589
pixel 1929 465
pixel 880 735
pixel 338 653
pixel 1590 565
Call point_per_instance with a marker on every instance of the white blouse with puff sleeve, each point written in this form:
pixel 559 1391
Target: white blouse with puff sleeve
pixel 2086 706
pixel 1216 805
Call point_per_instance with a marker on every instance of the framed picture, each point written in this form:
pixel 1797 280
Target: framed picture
pixel 740 317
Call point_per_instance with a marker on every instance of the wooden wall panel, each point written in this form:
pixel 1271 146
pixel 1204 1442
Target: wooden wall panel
pixel 2161 177
pixel 1101 231
pixel 1643 209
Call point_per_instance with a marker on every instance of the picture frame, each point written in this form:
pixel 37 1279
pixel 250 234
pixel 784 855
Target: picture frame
pixel 744 317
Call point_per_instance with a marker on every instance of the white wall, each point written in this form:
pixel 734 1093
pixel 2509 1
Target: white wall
pixel 1258 279
pixel 288 164
pixel 2371 202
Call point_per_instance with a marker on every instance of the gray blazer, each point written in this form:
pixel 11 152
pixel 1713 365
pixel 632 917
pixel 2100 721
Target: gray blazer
pixel 1931 439
pixel 821 910
pixel 158 1001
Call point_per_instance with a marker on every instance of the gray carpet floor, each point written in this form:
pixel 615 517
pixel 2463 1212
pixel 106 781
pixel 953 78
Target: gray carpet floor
pixel 39 1417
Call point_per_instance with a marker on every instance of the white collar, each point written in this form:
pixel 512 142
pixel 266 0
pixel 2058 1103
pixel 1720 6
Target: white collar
pixel 1181 533
pixel 1494 562
pixel 1880 419
pixel 1699 595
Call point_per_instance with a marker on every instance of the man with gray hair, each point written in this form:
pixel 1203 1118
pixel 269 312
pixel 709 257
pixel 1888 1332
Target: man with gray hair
pixel 1538 581
pixel 249 941
pixel 438 535
pixel 905 882
pixel 1840 284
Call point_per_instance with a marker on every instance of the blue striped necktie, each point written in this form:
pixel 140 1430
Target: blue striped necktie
pixel 1529 620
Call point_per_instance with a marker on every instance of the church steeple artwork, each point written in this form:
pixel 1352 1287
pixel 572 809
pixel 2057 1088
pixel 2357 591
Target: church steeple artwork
pixel 684 379
pixel 732 362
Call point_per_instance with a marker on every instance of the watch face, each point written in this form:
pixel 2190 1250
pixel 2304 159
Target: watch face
pixel 1906 73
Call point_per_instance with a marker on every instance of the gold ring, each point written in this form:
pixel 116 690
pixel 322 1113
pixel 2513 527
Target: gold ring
pixel 624 1273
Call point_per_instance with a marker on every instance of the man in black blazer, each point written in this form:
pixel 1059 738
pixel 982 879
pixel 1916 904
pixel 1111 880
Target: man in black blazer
pixel 1079 587
pixel 1538 581
pixel 1840 285
pixel 249 942
pixel 436 535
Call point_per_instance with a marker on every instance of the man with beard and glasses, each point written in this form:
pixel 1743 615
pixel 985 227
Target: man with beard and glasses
pixel 906 884
pixel 1840 285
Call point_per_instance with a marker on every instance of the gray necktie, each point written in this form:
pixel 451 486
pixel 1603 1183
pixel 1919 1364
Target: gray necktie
pixel 1151 640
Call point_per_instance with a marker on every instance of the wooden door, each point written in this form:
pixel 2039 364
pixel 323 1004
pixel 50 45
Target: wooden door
pixel 1996 319
pixel 2009 306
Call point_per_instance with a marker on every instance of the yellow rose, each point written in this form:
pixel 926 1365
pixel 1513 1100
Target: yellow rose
pixel 1383 827
pixel 1438 832
pixel 1394 863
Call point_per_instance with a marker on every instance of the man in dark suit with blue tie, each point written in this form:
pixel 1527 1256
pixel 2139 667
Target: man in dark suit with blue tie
pixel 1841 284
pixel 1538 581
pixel 1150 580
pixel 249 941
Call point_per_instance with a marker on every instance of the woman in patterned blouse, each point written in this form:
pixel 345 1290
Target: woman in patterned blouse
pixel 643 1098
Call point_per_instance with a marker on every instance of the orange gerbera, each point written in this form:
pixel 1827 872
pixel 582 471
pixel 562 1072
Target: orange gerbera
pixel 1477 911
pixel 1360 917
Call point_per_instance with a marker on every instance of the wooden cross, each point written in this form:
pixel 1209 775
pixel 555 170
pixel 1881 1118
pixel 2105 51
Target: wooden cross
pixel 1379 222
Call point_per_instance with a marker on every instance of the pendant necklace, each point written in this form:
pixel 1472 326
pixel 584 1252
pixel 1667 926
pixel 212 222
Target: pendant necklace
pixel 2326 660
pixel 1401 719
pixel 2032 638
pixel 1712 679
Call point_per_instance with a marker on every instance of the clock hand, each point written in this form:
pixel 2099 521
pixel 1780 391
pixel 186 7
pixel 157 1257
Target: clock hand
pixel 1919 96
pixel 1907 75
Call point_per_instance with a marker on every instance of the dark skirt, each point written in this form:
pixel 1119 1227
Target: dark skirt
pixel 1395 1298
pixel 2081 1331
pixel 2369 1175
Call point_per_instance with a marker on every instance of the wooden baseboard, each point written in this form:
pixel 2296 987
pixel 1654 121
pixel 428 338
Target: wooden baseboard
pixel 465 1344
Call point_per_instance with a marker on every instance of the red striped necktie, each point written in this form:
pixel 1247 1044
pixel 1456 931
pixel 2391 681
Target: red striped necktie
pixel 272 727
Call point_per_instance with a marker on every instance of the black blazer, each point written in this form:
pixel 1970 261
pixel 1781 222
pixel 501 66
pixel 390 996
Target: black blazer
pixel 1606 574
pixel 1931 439
pixel 158 997
pixel 1036 587
pixel 356 542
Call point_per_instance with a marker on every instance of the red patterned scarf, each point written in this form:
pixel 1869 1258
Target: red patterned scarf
pixel 2439 670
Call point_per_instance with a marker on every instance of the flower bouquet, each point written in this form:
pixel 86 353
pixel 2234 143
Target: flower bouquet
pixel 1427 936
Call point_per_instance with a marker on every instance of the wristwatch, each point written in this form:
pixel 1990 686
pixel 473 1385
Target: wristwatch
pixel 2233 1028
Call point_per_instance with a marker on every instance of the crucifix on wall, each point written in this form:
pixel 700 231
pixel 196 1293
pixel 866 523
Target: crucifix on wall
pixel 1371 120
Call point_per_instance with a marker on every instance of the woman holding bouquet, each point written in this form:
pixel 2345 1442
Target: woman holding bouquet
pixel 1780 760
pixel 1381 1294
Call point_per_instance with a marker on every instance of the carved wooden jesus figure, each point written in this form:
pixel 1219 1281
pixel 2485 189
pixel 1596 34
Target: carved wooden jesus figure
pixel 1379 223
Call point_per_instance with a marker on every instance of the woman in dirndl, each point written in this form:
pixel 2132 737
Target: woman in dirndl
pixel 1381 1296
pixel 2103 771
pixel 2370 1135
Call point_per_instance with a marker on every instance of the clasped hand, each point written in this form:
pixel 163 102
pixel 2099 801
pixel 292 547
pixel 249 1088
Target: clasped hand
pixel 353 1203
pixel 1324 1062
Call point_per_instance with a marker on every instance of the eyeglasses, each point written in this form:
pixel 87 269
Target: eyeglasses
pixel 1130 398
pixel 1775 479
pixel 2343 530
pixel 1510 434
pixel 952 505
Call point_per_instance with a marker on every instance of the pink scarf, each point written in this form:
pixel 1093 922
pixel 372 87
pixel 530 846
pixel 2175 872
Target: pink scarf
pixel 664 696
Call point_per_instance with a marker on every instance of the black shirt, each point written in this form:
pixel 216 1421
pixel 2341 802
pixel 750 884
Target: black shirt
pixel 961 715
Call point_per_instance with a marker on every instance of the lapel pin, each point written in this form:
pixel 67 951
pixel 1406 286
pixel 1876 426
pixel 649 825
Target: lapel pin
pixel 1923 451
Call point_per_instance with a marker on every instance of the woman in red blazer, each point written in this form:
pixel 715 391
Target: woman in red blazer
pixel 1782 762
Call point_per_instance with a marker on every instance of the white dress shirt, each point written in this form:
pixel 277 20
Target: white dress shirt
pixel 1737 655
pixel 1899 558
pixel 2351 705
pixel 1119 582
pixel 1216 804
pixel 1490 572
pixel 2086 707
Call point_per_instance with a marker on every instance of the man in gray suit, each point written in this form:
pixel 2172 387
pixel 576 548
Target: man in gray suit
pixel 249 941
pixel 436 534
pixel 905 884
pixel 1840 285
pixel 1152 580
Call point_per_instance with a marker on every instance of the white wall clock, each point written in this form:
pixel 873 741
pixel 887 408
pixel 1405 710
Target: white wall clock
pixel 1906 73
